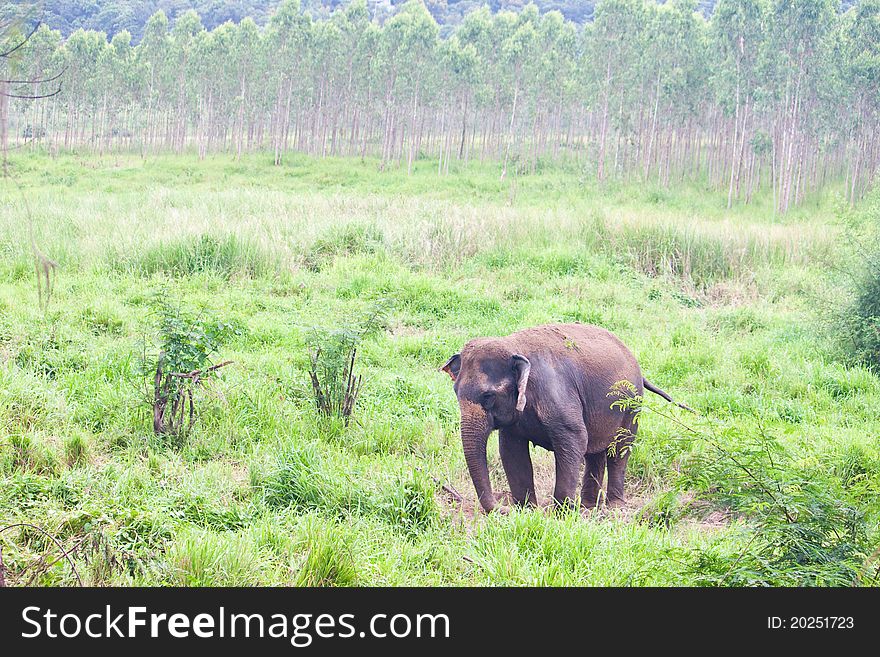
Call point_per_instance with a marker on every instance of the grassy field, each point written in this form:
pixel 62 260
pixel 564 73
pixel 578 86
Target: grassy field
pixel 777 484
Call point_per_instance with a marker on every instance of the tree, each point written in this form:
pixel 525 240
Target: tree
pixel 739 39
pixel 616 53
pixel 287 37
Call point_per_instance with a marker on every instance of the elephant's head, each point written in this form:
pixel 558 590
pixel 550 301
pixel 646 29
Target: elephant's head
pixel 490 382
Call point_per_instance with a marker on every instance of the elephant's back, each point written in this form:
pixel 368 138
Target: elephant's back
pixel 575 339
pixel 596 352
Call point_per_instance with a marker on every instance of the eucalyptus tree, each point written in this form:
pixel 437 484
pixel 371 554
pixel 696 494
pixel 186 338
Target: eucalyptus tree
pixel 685 88
pixel 240 50
pixel 476 34
pixel 219 107
pixel 861 75
pixel 81 52
pixel 114 70
pixel 407 52
pixel 39 58
pixel 321 98
pixel 287 37
pixel 799 36
pixel 459 64
pixel 154 65
pixel 188 43
pixel 549 67
pixel 519 48
pixel 739 37
pixel 358 42
pixel 617 49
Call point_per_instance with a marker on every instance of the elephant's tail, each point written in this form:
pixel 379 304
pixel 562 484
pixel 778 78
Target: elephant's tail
pixel 659 391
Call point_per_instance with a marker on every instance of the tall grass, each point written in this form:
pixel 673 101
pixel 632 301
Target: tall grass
pixel 705 255
pixel 329 560
pixel 200 558
pixel 188 229
pixel 224 255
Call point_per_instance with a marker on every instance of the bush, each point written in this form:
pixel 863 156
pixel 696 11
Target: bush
pixel 332 354
pixel 186 344
pixel 857 324
pixel 807 529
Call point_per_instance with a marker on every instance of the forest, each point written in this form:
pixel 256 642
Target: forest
pixel 780 95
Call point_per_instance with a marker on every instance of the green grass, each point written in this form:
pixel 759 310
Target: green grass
pixel 720 308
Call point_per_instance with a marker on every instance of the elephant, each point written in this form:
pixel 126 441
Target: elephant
pixel 554 386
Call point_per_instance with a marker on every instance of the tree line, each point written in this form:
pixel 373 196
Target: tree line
pixel 775 95
pixel 112 16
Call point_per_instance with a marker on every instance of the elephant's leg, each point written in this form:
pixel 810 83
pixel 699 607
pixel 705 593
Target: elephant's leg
pixel 617 464
pixel 594 473
pixel 518 467
pixel 616 470
pixel 569 446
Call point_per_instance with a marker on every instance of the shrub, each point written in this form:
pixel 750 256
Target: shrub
pixel 857 322
pixel 186 344
pixel 663 511
pixel 332 354
pixel 807 531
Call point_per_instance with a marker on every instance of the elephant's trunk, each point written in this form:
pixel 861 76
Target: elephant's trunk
pixel 475 430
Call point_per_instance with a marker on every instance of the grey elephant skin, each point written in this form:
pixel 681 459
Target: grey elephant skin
pixel 553 386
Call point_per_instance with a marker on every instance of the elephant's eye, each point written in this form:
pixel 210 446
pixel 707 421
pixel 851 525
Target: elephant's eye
pixel 488 398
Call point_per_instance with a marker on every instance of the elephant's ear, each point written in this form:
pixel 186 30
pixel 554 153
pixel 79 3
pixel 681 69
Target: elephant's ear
pixel 522 366
pixel 452 366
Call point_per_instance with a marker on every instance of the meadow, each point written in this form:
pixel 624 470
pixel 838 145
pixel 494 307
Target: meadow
pixel 775 481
